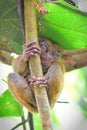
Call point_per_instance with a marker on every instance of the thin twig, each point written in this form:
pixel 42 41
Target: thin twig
pixel 62 102
pixel 19 125
pixel 30 120
pixel 24 126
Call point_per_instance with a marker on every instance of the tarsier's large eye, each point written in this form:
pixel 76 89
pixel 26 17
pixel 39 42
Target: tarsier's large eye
pixel 57 52
pixel 44 47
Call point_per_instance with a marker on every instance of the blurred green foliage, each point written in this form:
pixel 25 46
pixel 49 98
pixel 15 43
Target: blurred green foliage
pixel 77 88
pixel 82 101
pixel 8 106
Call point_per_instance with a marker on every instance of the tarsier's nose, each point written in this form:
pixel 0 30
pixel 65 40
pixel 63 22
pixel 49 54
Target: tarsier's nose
pixel 50 57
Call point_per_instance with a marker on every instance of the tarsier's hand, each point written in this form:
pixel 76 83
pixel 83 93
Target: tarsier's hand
pixel 30 50
pixel 40 81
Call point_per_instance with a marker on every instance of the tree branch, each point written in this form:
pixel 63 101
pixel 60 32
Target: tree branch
pixel 35 65
pixel 6 57
pixel 74 59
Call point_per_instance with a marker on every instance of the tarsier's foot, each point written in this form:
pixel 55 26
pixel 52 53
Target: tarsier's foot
pixel 40 81
pixel 30 50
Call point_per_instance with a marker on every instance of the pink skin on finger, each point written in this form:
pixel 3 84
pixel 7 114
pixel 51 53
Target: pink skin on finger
pixel 30 43
pixel 40 81
pixel 30 51
pixel 32 48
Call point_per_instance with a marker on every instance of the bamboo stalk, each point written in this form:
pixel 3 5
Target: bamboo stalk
pixel 35 65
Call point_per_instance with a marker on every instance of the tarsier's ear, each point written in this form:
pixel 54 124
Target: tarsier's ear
pixel 57 47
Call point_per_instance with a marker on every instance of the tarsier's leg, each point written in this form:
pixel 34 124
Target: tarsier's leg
pixel 21 91
pixel 53 81
pixel 55 78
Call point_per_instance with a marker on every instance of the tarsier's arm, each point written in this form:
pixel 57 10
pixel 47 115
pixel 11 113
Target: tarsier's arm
pixel 55 76
pixel 19 65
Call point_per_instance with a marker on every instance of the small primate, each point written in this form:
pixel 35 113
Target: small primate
pixel 21 83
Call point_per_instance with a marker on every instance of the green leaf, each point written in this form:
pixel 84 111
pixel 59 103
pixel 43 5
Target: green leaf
pixel 65 25
pixel 11 37
pixel 78 88
pixel 8 106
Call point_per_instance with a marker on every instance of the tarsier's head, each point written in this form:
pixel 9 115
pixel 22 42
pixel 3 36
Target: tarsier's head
pixel 50 52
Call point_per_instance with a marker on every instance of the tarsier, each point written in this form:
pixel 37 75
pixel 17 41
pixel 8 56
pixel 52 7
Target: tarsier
pixel 21 83
pixel 54 61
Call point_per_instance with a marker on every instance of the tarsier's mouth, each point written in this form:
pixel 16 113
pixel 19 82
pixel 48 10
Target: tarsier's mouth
pixel 48 59
pixel 46 62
